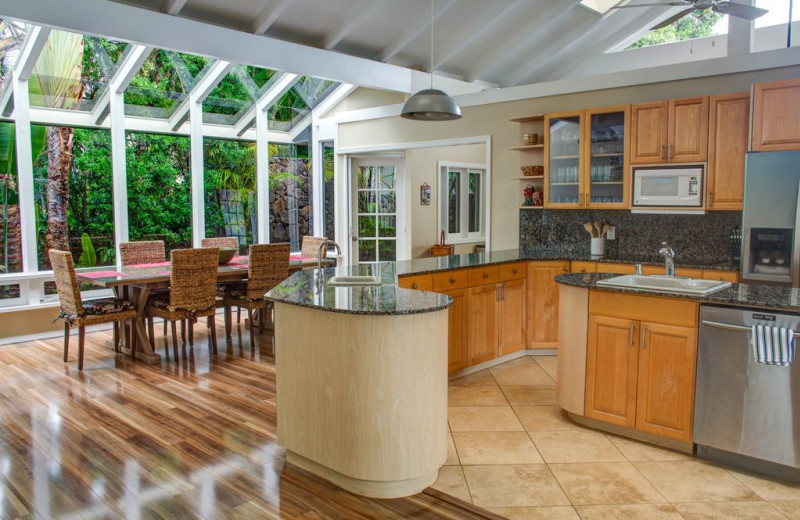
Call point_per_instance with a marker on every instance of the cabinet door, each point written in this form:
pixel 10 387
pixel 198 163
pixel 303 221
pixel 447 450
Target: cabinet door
pixel 512 317
pixel 727 146
pixel 562 160
pixel 665 397
pixel 688 130
pixel 611 369
pixel 422 282
pixel 583 267
pixel 649 132
pixel 606 149
pixel 543 303
pixel 456 331
pixel 482 323
pixel 714 274
pixel 776 115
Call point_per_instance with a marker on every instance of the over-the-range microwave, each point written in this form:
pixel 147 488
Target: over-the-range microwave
pixel 668 188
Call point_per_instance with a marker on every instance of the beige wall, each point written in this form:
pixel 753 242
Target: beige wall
pixel 28 322
pixel 362 98
pixel 421 167
pixel 494 120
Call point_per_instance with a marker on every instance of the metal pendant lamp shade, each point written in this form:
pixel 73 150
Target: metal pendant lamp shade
pixel 431 104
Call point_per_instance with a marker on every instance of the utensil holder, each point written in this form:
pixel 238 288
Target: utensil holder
pixel 598 246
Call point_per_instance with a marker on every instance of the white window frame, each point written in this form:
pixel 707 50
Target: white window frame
pixel 464 237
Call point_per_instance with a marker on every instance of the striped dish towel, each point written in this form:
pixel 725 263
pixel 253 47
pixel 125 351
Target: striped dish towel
pixel 773 345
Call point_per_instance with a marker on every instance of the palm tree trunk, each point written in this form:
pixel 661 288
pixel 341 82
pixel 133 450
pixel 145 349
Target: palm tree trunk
pixel 59 156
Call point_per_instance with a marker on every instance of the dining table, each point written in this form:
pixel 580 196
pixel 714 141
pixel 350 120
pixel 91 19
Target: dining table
pixel 136 282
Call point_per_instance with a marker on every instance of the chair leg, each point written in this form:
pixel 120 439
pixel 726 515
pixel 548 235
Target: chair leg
pixel 238 314
pixel 131 328
pixel 66 340
pixel 174 340
pixel 262 317
pixel 81 341
pixel 191 333
pixel 213 337
pixel 252 329
pixel 116 336
pixel 228 322
pixel 183 332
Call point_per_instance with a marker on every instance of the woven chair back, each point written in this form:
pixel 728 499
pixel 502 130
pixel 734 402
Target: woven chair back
pixel 145 252
pixel 310 246
pixel 66 282
pixel 226 242
pixel 193 282
pixel 269 266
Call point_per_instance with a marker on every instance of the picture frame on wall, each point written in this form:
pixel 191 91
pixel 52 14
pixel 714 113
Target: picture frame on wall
pixel 425 194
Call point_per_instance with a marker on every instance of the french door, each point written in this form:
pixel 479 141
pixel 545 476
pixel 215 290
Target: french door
pixel 375 209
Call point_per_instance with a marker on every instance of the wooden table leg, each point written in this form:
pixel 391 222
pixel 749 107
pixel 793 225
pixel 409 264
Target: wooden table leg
pixel 144 351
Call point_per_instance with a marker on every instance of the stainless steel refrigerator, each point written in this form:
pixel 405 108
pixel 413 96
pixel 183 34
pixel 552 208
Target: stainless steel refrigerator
pixel 771 219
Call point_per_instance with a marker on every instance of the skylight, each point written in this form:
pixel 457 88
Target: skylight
pixel 599 6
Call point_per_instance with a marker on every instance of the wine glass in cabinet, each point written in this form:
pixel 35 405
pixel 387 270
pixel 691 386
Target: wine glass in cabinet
pixel 606 145
pixel 563 185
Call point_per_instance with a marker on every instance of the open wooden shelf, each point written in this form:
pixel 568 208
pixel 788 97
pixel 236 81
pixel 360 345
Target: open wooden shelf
pixel 527 147
pixel 529 178
pixel 528 119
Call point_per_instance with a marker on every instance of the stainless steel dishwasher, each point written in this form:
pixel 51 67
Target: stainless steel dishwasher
pixel 747 414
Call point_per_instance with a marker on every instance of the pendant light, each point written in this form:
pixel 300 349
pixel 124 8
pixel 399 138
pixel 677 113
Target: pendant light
pixel 431 104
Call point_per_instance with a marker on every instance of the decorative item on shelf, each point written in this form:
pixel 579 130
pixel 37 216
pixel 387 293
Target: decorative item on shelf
pixel 532 196
pixel 532 171
pixel 425 194
pixel 529 139
pixel 442 249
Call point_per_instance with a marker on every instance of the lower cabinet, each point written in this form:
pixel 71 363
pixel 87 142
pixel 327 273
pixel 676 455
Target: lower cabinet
pixel 512 317
pixel 456 331
pixel 640 363
pixel 543 303
pixel 482 311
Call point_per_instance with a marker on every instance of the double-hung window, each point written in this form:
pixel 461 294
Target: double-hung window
pixel 462 194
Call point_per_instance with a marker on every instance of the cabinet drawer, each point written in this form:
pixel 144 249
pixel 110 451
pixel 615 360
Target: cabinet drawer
pixel 616 268
pixel 515 271
pixel 728 276
pixel 483 275
pixel 449 280
pixel 659 309
pixel 422 282
pixel 583 267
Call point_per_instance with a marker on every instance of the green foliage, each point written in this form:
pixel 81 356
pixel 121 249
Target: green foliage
pixel 88 256
pixel 696 25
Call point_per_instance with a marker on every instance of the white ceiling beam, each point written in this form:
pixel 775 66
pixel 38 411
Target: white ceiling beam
pixel 269 15
pixel 482 24
pixel 216 71
pixel 333 99
pixel 124 22
pixel 551 14
pixel 350 20
pixel 127 70
pixel 174 7
pixel 272 94
pixel 29 52
pixel 300 126
pixel 414 30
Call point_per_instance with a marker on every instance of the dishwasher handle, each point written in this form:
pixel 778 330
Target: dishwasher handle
pixel 738 328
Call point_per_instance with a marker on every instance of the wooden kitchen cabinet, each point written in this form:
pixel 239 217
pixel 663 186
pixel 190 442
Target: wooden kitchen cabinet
pixel 512 317
pixel 727 146
pixel 543 303
pixel 669 131
pixel 456 331
pixel 422 282
pixel 583 267
pixel 640 363
pixel 482 317
pixel 563 164
pixel 776 116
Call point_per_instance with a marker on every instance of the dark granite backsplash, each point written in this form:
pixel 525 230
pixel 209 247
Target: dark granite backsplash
pixel 698 239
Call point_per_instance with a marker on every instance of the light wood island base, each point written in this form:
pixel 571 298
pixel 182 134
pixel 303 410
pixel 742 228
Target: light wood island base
pixel 362 399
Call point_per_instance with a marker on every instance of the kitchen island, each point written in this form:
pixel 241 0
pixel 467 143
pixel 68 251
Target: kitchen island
pixel 362 381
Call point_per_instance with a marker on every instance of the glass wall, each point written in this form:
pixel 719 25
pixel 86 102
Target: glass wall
pixel 329 209
pixel 159 189
pixel 10 235
pixel 290 194
pixel 230 190
pixel 73 194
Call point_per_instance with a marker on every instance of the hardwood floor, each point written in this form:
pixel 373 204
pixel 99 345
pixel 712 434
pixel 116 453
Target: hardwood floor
pixel 194 439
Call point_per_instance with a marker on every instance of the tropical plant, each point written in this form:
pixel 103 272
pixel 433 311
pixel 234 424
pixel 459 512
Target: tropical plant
pixel 88 256
pixel 696 25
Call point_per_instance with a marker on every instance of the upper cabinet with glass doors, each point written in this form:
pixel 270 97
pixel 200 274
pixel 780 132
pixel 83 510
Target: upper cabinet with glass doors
pixel 586 161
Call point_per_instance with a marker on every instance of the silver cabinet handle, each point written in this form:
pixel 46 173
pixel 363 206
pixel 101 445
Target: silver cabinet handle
pixel 644 331
pixel 661 153
pixel 671 152
pixel 497 293
pixel 586 199
pixel 504 292
pixel 633 328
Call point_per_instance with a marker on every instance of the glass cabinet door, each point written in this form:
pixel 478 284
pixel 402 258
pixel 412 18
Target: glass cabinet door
pixel 606 151
pixel 564 173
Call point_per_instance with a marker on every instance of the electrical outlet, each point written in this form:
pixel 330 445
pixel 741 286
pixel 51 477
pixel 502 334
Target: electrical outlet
pixel 612 233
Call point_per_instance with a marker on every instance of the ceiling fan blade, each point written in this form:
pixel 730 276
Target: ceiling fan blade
pixel 748 12
pixel 662 4
pixel 672 19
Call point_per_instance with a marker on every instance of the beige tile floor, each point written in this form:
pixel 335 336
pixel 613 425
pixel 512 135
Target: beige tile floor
pixel 514 452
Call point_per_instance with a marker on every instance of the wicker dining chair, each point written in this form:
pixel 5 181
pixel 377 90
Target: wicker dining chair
pixel 269 266
pixel 145 252
pixel 221 242
pixel 310 246
pixel 76 312
pixel 192 294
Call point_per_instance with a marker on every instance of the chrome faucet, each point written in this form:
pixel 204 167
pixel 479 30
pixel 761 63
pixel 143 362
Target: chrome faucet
pixel 669 259
pixel 323 246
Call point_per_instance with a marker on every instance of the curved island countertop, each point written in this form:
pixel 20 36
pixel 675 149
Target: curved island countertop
pixel 738 294
pixel 362 381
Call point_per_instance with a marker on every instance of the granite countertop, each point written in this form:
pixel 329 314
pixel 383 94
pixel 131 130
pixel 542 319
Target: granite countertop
pixel 446 263
pixel 741 294
pixel 382 300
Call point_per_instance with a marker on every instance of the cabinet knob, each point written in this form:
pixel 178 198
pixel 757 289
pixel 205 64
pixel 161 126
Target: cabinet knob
pixel 583 270
pixel 486 275
pixel 452 280
pixel 514 270
pixel 415 286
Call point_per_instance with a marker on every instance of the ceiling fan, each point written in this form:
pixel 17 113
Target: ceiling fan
pixel 748 12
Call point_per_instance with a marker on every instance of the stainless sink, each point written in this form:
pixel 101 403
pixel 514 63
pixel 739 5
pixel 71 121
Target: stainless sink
pixel 663 283
pixel 353 280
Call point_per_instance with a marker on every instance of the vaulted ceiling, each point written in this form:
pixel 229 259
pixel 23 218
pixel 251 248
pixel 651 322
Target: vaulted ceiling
pixel 496 42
